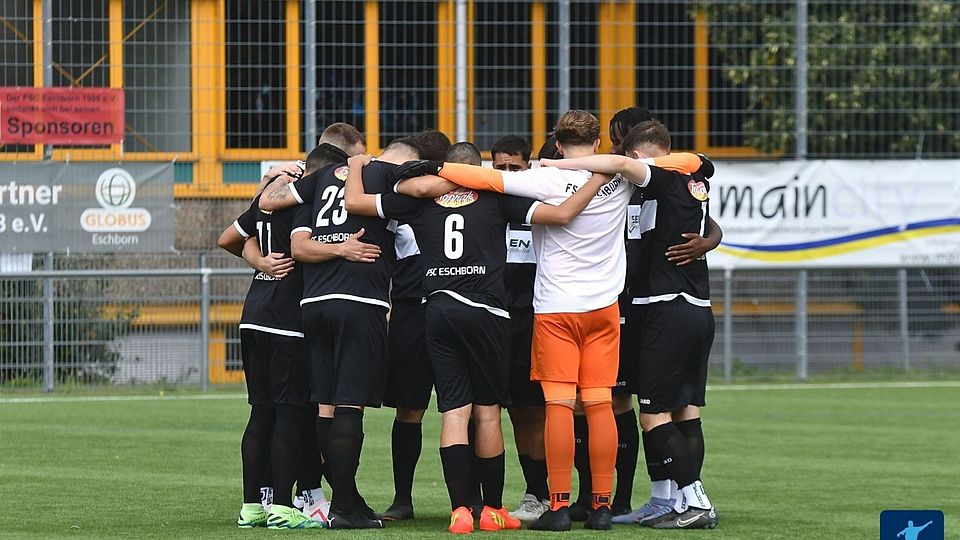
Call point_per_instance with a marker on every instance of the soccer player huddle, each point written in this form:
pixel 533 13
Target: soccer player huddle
pixel 557 292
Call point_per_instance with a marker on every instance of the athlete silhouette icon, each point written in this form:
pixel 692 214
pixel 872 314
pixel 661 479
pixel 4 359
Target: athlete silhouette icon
pixel 910 532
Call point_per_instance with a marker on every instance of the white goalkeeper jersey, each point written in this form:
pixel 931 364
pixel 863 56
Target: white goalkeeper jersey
pixel 582 266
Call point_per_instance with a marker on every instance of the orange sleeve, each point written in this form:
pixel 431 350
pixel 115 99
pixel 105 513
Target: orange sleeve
pixel 473 177
pixel 682 162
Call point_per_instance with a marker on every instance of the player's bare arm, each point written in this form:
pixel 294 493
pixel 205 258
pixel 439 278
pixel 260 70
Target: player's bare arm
pixel 635 170
pixel 277 265
pixel 308 250
pixel 697 246
pixel 231 241
pixel 547 214
pixel 355 200
pixel 290 170
pixel 278 195
pixel 425 187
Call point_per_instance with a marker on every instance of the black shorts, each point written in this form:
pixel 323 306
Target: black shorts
pixel 674 352
pixel 410 375
pixel 347 341
pixel 276 368
pixel 523 391
pixel 627 370
pixel 468 349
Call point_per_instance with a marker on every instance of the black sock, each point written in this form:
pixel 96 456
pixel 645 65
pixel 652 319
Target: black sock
pixel 406 442
pixel 491 477
pixel 343 455
pixel 285 453
pixel 255 451
pixel 323 439
pixel 692 431
pixel 581 459
pixel 655 470
pixel 310 466
pixel 535 474
pixel 456 462
pixel 628 439
pixel 674 454
pixel 476 498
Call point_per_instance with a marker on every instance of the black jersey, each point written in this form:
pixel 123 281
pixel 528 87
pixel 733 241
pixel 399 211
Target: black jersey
pixel 521 271
pixel 407 281
pixel 272 304
pixel 329 223
pixel 461 238
pixel 305 189
pixel 671 204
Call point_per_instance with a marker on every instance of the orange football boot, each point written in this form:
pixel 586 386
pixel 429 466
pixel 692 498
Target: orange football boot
pixel 497 519
pixel 461 521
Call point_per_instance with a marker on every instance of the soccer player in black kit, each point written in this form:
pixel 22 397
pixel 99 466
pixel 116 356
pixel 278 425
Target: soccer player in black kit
pixel 671 314
pixel 281 426
pixel 345 303
pixel 461 237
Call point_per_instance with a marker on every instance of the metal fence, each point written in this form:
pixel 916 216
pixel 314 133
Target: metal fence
pixel 178 326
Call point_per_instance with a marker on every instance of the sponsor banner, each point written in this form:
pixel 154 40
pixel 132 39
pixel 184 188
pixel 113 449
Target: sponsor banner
pixel 836 213
pixel 86 207
pixel 72 116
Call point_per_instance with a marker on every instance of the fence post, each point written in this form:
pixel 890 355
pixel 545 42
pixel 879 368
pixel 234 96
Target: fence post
pixel 310 74
pixel 801 325
pixel 801 79
pixel 204 323
pixel 563 56
pixel 727 325
pixel 903 317
pixel 461 71
pixel 48 349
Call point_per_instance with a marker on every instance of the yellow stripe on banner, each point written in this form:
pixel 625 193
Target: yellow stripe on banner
pixel 800 255
pixel 371 75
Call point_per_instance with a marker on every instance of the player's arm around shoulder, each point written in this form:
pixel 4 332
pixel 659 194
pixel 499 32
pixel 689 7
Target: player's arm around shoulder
pixel 307 250
pixel 355 199
pixel 548 214
pixel 277 265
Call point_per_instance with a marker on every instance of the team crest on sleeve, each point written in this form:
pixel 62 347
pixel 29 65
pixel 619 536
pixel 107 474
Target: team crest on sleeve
pixel 698 190
pixel 341 173
pixel 457 198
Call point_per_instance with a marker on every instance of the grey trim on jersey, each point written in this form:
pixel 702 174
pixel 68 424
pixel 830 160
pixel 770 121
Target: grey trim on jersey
pixel 460 298
pixel 269 330
pixel 243 233
pixel 644 300
pixel 338 296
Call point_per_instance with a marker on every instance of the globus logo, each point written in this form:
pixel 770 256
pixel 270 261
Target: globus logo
pixel 115 191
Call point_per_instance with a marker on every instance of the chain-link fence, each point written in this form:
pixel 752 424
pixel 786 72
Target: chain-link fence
pixel 178 325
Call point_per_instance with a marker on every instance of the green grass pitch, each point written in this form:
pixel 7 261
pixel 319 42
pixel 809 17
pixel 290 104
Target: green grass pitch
pixel 781 463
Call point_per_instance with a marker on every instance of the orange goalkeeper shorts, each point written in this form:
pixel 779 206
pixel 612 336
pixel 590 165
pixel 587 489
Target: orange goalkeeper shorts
pixel 581 348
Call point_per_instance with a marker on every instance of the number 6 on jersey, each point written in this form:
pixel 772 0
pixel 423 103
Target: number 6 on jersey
pixel 452 237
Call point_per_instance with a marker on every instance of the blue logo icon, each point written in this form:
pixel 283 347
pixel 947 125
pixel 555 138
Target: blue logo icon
pixel 911 525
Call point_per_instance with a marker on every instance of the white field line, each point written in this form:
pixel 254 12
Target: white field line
pixel 712 388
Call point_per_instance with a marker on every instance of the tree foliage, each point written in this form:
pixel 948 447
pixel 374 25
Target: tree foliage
pixel 882 77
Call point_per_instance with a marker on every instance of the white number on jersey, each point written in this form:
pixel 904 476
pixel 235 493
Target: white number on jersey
pixel 452 237
pixel 265 237
pixel 330 196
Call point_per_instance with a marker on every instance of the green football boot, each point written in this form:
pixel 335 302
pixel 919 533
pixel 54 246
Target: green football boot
pixel 284 517
pixel 252 515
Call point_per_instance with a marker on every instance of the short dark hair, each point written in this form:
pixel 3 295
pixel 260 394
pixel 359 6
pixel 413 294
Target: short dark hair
pixel 649 132
pixel 512 145
pixel 464 152
pixel 323 155
pixel 409 142
pixel 549 149
pixel 627 119
pixel 342 135
pixel 433 144
pixel 577 127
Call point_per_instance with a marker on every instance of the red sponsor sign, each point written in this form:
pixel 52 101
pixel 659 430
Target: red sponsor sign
pixel 72 116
